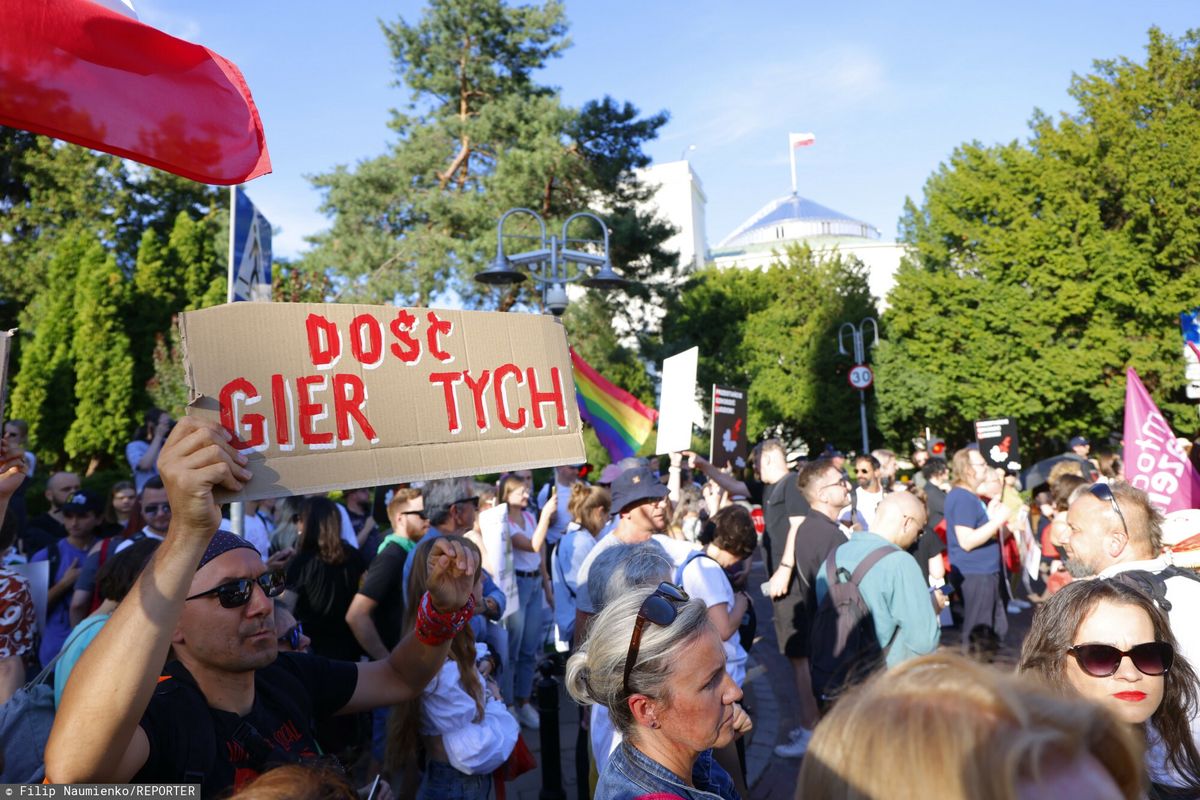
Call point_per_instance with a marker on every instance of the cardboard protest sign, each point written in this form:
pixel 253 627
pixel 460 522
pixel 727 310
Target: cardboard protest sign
pixel 324 397
pixel 677 409
pixel 998 443
pixel 729 443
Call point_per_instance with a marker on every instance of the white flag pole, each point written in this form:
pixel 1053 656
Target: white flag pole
pixel 237 511
pixel 792 155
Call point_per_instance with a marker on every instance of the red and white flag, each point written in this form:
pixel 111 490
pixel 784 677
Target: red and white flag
pixel 801 139
pixel 85 73
pixel 1154 461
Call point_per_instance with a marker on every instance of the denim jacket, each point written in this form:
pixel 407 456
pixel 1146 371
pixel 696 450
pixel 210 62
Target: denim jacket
pixel 630 774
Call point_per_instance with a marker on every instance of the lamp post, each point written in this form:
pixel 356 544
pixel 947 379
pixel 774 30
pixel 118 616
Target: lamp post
pixel 860 376
pixel 553 264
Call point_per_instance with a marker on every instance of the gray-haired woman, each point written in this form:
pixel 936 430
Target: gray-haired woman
pixel 657 664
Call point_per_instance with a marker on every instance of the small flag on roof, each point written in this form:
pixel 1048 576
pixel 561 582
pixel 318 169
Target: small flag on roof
pixel 801 139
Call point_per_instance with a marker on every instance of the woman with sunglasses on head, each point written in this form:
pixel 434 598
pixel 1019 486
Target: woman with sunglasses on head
pixel 459 719
pixel 1108 642
pixel 654 660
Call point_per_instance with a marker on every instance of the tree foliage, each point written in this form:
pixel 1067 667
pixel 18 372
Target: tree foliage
pixel 479 135
pixel 1040 270
pixel 774 332
pixel 103 362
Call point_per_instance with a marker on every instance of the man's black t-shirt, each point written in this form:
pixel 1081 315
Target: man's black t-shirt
pixel 383 584
pixel 193 743
pixel 41 532
pixel 781 501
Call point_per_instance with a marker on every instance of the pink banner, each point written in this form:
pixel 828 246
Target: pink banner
pixel 1154 461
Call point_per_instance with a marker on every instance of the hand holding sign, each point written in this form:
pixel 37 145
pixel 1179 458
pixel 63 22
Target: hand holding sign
pixel 196 458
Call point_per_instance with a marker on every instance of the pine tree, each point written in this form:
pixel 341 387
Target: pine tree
pixel 43 392
pixel 103 363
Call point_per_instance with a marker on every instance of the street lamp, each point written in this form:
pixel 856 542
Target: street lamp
pixel 553 264
pixel 860 375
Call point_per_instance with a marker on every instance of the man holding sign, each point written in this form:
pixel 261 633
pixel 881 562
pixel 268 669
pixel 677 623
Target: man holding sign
pixel 230 706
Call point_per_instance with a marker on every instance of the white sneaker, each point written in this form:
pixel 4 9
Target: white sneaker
pixel 797 746
pixel 528 716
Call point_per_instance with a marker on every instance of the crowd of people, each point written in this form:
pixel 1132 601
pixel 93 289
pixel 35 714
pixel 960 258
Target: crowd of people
pixel 397 632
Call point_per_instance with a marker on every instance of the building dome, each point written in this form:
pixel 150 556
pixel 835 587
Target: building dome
pixel 792 218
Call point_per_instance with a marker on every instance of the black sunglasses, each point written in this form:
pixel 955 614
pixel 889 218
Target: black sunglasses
pixel 1103 660
pixel 236 594
pixel 661 608
pixel 419 514
pixel 292 636
pixel 1102 491
pixel 154 508
pixel 472 500
pixel 842 481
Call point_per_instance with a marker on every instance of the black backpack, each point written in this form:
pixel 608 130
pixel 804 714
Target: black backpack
pixel 843 647
pixel 1154 585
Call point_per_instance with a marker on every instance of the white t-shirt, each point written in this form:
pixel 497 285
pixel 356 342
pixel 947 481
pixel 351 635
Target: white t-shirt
pixel 524 560
pixel 867 503
pixel 704 578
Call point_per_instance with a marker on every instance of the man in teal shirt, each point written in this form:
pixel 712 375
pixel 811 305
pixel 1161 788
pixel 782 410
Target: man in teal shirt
pixel 902 608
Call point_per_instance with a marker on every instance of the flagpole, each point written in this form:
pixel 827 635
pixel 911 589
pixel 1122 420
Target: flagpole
pixel 792 155
pixel 237 511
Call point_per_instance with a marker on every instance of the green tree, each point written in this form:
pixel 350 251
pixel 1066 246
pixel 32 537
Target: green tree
pixel 103 363
pixel 478 136
pixel 43 391
pixel 774 333
pixel 1040 270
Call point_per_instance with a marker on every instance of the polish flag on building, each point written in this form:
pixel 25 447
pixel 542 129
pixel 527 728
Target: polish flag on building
pixel 92 74
pixel 801 139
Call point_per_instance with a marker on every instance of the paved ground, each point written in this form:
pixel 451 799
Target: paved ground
pixel 770 697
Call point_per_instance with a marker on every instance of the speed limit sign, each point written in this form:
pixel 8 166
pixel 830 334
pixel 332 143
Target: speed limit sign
pixel 861 377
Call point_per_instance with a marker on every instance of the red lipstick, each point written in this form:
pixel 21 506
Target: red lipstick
pixel 1132 697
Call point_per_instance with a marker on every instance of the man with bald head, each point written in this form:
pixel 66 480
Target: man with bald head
pixel 904 613
pixel 46 529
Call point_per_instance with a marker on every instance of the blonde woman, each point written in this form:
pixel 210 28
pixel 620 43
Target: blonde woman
pixel 947 727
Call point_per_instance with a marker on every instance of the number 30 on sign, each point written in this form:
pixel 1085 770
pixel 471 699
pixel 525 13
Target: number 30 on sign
pixel 861 377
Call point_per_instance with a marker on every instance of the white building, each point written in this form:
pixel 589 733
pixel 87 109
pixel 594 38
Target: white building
pixel 680 200
pixel 793 219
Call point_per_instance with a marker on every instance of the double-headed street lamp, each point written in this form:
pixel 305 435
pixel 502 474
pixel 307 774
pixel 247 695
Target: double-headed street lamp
pixel 553 264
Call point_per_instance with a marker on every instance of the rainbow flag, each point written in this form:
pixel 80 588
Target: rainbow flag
pixel 621 422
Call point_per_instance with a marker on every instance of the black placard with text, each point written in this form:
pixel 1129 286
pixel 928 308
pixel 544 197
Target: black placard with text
pixel 729 442
pixel 998 443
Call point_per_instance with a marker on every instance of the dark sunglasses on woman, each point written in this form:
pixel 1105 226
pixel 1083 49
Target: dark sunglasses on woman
pixel 661 608
pixel 236 594
pixel 1103 660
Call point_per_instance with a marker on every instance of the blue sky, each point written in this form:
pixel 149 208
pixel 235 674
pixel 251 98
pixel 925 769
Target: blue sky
pixel 889 89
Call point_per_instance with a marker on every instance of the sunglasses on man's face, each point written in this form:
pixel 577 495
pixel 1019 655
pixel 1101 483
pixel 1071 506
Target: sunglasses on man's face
pixel 1103 660
pixel 474 501
pixel 156 508
pixel 418 514
pixel 292 637
pixel 661 608
pixel 236 594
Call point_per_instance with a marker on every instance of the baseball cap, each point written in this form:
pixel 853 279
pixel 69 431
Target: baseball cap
pixel 82 502
pixel 1078 440
pixel 635 484
pixel 832 452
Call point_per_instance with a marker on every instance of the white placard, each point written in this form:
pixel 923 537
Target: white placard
pixel 677 408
